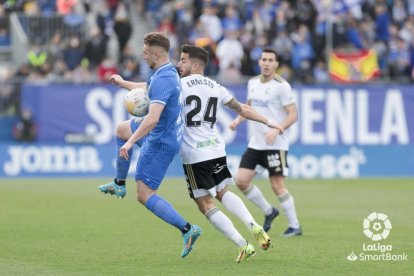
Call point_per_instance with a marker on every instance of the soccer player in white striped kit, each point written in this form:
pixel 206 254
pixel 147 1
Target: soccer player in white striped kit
pixel 203 150
pixel 272 96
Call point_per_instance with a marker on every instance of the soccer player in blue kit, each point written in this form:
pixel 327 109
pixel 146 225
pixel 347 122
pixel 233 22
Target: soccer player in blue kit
pixel 161 131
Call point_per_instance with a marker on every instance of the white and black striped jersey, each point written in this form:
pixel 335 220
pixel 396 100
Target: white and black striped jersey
pixel 201 99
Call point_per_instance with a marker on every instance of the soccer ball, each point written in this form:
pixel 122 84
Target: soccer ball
pixel 137 102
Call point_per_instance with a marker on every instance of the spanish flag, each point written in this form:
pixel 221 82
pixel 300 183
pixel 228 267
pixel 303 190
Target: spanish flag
pixel 359 66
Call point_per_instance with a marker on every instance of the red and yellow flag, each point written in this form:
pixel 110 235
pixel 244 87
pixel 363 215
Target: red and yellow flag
pixel 360 66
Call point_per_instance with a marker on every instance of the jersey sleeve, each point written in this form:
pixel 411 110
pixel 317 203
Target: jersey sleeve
pixel 286 95
pixel 227 96
pixel 249 84
pixel 161 90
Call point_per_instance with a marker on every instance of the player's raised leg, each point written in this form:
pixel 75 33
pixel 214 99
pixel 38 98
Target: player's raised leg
pixel 117 186
pixel 225 226
pixel 236 206
pixel 151 169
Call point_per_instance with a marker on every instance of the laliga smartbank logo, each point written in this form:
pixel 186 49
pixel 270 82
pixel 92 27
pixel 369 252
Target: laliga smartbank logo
pixel 376 227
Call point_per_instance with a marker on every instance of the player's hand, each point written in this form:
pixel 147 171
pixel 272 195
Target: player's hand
pixel 277 126
pixel 116 79
pixel 271 136
pixel 233 125
pixel 123 152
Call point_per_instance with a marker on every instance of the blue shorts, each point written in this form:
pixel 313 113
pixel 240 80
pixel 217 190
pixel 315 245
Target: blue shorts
pixel 152 166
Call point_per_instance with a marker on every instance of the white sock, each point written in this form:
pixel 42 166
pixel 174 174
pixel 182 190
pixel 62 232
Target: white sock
pixel 224 225
pixel 288 205
pixel 236 206
pixel 255 195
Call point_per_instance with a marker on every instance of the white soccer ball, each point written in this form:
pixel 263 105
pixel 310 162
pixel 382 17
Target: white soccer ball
pixel 137 102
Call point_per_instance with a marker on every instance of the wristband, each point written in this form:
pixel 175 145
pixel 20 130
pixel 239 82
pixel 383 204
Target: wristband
pixel 269 123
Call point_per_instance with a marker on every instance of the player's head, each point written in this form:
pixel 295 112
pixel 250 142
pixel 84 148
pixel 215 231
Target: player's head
pixel 193 60
pixel 268 62
pixel 156 47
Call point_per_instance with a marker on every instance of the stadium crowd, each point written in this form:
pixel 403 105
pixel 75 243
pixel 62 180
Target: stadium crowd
pixel 234 32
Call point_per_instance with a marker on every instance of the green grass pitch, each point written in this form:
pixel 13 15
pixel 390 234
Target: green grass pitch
pixel 66 227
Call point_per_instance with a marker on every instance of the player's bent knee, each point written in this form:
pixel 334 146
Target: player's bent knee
pixel 241 184
pixel 123 130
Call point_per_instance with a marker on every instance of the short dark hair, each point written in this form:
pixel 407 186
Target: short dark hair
pixel 157 39
pixel 195 52
pixel 270 50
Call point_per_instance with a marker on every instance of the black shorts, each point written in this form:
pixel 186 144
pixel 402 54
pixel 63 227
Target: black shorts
pixel 207 177
pixel 275 161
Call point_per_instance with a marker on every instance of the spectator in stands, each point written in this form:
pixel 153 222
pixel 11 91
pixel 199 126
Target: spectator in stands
pixel 283 46
pixel 302 54
pixel 305 13
pixel 64 7
pixel 37 56
pixel 399 12
pixel 59 69
pixel 8 93
pixel 370 24
pixel 266 12
pixel 339 36
pixel 153 9
pixel 256 52
pixel 75 20
pixel 382 22
pixel 353 34
pixel 367 32
pixel 184 22
pixel 47 7
pixel 73 53
pixel 407 30
pixel 200 37
pixel 113 6
pixel 122 28
pixel 167 28
pixel 96 47
pixel 130 69
pixel 25 129
pixel 399 58
pixel 106 69
pixel 56 46
pixel 320 73
pixel 231 20
pixel 230 53
pixel 211 21
pixel 258 23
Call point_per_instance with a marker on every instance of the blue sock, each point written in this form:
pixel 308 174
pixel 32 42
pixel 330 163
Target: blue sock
pixel 122 165
pixel 163 209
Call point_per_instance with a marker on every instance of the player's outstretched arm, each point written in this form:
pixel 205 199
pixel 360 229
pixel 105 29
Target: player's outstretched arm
pixel 250 113
pixel 129 85
pixel 147 124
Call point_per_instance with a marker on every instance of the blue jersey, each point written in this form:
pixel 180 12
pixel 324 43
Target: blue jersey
pixel 164 87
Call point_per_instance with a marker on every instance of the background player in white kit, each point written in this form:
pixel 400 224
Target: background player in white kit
pixel 272 96
pixel 203 150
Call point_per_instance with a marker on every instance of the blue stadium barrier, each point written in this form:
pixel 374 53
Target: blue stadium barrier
pixel 342 132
